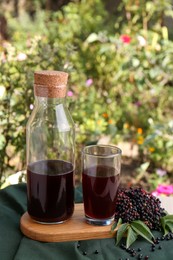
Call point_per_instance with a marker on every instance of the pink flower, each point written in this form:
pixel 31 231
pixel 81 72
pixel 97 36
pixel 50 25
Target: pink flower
pixel 89 82
pixel 125 38
pixel 161 172
pixel 137 103
pixel 70 93
pixel 165 189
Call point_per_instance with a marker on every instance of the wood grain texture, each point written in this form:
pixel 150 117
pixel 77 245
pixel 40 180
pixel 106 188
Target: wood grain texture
pixel 72 230
pixel 75 228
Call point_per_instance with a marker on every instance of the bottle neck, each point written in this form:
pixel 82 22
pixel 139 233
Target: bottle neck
pixel 49 101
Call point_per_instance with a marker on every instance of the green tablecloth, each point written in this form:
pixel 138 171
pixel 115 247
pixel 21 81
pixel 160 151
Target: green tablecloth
pixel 14 245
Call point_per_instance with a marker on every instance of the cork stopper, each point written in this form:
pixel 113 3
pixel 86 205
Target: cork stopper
pixel 51 84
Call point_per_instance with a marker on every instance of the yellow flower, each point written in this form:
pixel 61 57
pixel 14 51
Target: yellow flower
pixel 151 149
pixel 140 140
pixel 99 122
pixel 126 125
pixel 105 115
pixel 110 121
pixel 139 130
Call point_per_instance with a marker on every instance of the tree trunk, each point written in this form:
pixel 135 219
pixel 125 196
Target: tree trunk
pixel 16 8
pixel 55 5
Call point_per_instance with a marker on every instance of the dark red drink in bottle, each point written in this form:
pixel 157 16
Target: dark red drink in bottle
pixel 50 190
pixel 50 140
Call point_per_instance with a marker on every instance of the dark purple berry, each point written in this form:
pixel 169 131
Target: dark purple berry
pixel 123 246
pixel 139 256
pixel 135 204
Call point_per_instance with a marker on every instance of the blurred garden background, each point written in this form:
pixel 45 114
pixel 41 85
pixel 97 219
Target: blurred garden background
pixel 119 55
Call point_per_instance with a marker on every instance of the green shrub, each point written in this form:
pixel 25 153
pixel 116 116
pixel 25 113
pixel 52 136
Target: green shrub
pixel 120 77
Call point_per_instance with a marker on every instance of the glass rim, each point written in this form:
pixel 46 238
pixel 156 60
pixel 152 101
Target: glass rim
pixel 117 151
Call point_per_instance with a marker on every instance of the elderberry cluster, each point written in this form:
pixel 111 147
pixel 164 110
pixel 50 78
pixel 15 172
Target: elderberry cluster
pixel 137 204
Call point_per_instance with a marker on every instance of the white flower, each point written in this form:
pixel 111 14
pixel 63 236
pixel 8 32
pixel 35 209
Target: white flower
pixel 2 91
pixel 141 40
pixel 171 124
pixel 31 106
pixel 21 56
pixel 158 132
pixel 152 91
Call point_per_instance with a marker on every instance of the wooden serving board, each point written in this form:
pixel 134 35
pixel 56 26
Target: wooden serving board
pixel 72 230
pixel 75 228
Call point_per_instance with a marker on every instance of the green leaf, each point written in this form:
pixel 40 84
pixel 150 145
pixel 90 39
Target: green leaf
pixel 119 221
pixel 169 225
pixel 141 229
pixel 131 237
pixel 168 217
pixel 116 224
pixel 122 229
pixel 163 225
pixel 113 226
pixel 166 231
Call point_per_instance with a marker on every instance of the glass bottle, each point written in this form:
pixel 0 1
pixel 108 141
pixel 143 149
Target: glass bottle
pixel 50 140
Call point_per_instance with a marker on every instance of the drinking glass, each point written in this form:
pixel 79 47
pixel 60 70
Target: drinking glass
pixel 100 182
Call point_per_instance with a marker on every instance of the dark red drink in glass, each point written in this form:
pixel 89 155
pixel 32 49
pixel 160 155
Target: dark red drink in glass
pixel 100 182
pixel 100 185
